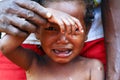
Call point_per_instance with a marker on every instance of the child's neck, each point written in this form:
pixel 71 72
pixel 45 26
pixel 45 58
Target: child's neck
pixel 52 63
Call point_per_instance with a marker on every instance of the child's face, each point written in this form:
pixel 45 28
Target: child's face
pixel 62 47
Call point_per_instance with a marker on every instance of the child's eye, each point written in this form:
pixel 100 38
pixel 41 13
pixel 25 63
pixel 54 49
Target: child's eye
pixel 51 28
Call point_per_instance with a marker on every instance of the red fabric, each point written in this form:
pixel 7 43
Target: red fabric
pixel 9 71
pixel 96 50
pixel 34 47
pixel 93 49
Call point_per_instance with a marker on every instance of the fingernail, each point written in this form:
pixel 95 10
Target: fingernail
pixel 82 30
pixel 49 15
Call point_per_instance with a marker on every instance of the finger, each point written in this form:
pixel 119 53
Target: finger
pixel 59 22
pixel 73 26
pixel 16 32
pixel 34 6
pixel 12 30
pixel 67 25
pixel 62 26
pixel 21 23
pixel 77 22
pixel 28 15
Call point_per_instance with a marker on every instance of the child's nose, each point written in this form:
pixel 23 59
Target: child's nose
pixel 62 39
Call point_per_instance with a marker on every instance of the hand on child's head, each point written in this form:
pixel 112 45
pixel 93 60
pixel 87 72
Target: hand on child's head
pixel 66 22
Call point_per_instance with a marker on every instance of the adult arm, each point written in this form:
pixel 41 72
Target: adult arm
pixel 111 23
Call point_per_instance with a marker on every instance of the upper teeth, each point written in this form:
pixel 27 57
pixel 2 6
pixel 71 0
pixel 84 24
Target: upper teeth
pixel 62 51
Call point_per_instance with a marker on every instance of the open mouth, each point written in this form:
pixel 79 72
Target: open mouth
pixel 62 52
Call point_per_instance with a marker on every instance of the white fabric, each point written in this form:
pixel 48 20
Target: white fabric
pixel 96 30
pixel 30 40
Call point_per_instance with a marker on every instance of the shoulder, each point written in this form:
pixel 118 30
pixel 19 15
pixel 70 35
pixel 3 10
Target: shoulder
pixel 92 67
pixel 87 62
pixel 90 63
pixel 96 70
pixel 96 63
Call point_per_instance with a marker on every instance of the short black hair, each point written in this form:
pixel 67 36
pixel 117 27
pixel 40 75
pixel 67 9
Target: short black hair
pixel 90 5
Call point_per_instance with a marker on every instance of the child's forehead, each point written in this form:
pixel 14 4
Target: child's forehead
pixel 67 6
pixel 66 3
pixel 71 8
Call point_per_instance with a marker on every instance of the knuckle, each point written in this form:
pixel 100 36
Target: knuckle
pixel 10 10
pixel 2 17
pixel 23 25
pixel 28 27
pixel 30 14
pixel 68 24
pixel 3 23
pixel 33 5
pixel 13 8
pixel 16 32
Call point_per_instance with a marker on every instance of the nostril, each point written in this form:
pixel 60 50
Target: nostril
pixel 62 38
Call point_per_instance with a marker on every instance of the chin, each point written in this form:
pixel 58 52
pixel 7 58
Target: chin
pixel 63 61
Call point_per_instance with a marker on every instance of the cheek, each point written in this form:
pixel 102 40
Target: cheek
pixel 78 42
pixel 79 46
pixel 48 40
pixel 78 39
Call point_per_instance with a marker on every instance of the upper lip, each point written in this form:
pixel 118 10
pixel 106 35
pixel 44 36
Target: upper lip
pixel 62 47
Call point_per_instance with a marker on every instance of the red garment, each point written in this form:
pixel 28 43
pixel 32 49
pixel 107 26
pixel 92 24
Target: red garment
pixel 96 50
pixel 10 71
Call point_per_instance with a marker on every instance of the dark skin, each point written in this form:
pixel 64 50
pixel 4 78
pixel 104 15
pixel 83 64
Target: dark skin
pixel 66 23
pixel 11 14
pixel 111 22
pixel 61 51
pixel 21 17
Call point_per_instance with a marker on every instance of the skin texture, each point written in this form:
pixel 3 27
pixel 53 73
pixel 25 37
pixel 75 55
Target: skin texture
pixel 111 22
pixel 21 17
pixel 61 48
pixel 16 20
pixel 62 41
